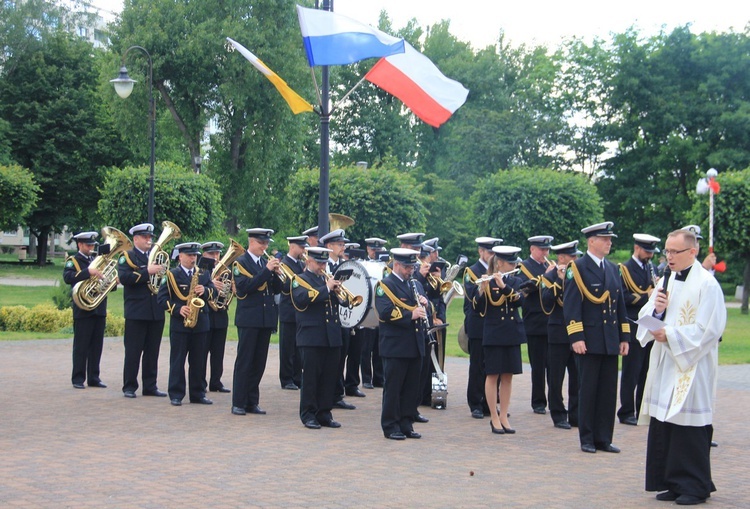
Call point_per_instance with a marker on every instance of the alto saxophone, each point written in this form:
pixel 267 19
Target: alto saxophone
pixel 194 302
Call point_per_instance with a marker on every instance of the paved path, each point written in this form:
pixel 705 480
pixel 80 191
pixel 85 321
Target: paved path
pixel 63 447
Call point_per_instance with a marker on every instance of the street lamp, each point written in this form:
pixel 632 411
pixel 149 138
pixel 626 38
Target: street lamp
pixel 124 86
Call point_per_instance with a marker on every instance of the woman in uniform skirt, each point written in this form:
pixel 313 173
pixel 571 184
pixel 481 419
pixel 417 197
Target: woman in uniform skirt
pixel 503 335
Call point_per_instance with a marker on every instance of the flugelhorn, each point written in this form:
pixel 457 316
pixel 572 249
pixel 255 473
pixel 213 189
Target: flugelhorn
pixel 436 282
pixel 283 272
pixel 344 294
pixel 490 277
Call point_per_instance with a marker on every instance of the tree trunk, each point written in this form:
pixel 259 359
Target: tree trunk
pixel 193 140
pixel 745 287
pixel 42 241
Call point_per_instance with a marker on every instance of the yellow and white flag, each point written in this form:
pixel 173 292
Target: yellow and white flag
pixel 293 99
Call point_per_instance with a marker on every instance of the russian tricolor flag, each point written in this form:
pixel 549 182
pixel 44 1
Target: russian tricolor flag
pixel 413 78
pixel 333 39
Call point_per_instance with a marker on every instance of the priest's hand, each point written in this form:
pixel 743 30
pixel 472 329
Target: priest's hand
pixel 661 302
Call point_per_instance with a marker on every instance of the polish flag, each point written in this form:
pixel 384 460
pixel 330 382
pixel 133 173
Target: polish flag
pixel 413 78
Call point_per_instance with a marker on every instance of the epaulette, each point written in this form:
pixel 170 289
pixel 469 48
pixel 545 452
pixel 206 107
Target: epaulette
pixel 72 260
pixel 125 258
pixel 469 276
pixel 312 293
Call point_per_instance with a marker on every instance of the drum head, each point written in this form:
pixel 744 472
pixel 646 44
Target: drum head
pixel 365 275
pixel 463 339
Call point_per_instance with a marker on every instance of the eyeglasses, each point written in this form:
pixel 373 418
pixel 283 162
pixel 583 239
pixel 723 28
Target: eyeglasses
pixel 671 252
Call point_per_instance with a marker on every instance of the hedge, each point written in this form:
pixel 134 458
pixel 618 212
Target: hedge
pixel 47 318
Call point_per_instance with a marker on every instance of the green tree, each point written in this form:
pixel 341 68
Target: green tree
pixel 58 129
pixel 19 192
pixel 383 201
pixel 516 204
pixel 731 220
pixel 192 202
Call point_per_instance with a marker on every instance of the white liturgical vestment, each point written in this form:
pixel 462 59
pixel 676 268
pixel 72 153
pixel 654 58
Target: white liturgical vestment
pixel 681 383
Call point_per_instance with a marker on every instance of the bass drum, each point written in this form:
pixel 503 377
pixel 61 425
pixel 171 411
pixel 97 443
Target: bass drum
pixel 365 275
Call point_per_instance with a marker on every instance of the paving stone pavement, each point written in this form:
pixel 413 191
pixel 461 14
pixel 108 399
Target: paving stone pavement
pixel 63 447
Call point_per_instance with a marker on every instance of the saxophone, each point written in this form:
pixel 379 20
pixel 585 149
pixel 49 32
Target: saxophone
pixel 157 255
pixel 194 302
pixel 223 271
pixel 90 293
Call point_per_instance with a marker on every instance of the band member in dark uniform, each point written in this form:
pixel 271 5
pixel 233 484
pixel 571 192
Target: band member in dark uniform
pixel 144 318
pixel 594 311
pixel 638 280
pixel 257 282
pixel 500 297
pixel 290 363
pixel 88 326
pixel 335 241
pixel 535 319
pixel 371 365
pixel 183 294
pixel 312 236
pixel 219 323
pixel 318 339
pixel 474 327
pixel 559 355
pixel 402 343
pixel 437 308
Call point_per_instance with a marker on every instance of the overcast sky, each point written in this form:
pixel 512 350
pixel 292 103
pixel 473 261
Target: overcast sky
pixel 543 21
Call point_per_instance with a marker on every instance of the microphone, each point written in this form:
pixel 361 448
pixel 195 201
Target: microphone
pixel 665 279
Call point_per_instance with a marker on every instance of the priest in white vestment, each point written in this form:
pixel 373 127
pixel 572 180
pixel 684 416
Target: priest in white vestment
pixel 680 392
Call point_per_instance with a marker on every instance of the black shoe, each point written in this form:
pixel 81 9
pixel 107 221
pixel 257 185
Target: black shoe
pixel 630 421
pixel 563 425
pixel 412 434
pixel 156 392
pixel 588 448
pixel 378 385
pixel 129 394
pixel 255 409
pixel 368 385
pixel 79 386
pixel 290 387
pixel 98 384
pixel 356 393
pixel 477 414
pixel 497 431
pixel 176 402
pixel 421 418
pixel 236 410
pixel 220 389
pixel 203 401
pixel 312 424
pixel 331 424
pixel 689 500
pixel 609 448
pixel 667 496
pixel 540 410
pixel 507 430
pixel 396 435
pixel 714 444
pixel 344 405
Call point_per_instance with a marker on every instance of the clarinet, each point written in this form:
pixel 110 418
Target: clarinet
pixel 426 320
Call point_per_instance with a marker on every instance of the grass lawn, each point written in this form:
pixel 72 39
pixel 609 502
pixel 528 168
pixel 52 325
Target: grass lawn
pixel 29 270
pixel 734 349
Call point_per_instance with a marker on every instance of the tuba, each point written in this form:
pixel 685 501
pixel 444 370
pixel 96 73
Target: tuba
pixel 90 293
pixel 223 271
pixel 194 302
pixel 157 256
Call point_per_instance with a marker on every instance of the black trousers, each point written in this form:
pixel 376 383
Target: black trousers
pixel 354 354
pixel 290 363
pixel 88 341
pixel 319 375
pixel 560 358
pixel 338 393
pixel 597 398
pixel 633 379
pixel 475 386
pixel 193 347
pixel 372 366
pixel 537 348
pixel 678 458
pixel 400 393
pixel 250 364
pixel 217 342
pixel 142 341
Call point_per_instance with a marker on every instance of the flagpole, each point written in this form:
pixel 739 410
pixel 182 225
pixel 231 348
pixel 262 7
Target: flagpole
pixel 347 94
pixel 325 117
pixel 711 174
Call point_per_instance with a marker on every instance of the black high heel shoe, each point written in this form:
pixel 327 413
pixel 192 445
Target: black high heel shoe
pixel 498 431
pixel 509 431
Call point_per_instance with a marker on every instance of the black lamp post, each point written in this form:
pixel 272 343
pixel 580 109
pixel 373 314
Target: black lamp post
pixel 124 86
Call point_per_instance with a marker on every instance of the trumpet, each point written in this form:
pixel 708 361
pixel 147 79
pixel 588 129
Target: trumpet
pixel 344 294
pixel 490 277
pixel 283 274
pixel 437 282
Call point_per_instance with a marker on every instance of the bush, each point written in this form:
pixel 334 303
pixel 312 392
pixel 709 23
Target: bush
pixel 46 318
pixel 12 317
pixel 61 296
pixel 115 326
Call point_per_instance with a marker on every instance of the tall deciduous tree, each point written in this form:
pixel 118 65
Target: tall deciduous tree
pixel 517 204
pixel 58 130
pixel 19 192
